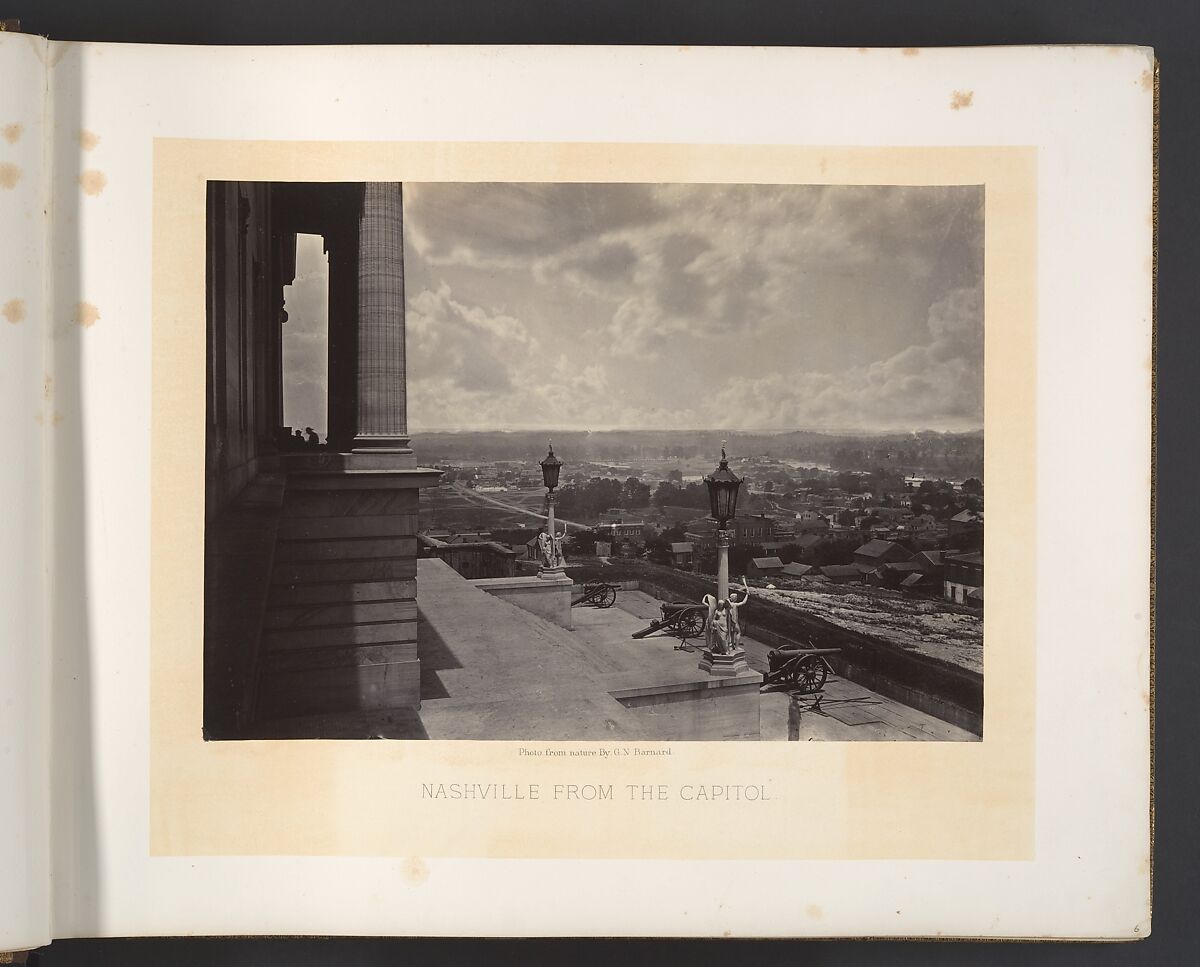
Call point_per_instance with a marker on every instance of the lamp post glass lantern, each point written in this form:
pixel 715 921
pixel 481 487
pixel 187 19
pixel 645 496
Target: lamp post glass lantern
pixel 723 485
pixel 550 468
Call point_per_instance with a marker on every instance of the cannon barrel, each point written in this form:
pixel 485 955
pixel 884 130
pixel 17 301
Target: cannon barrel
pixel 794 650
pixel 654 626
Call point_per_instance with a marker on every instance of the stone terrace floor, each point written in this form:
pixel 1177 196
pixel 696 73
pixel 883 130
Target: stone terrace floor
pixel 492 670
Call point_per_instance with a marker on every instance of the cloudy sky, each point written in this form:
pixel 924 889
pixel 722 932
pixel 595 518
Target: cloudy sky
pixel 642 306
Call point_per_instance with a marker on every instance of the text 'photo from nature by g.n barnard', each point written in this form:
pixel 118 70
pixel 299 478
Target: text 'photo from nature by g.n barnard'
pixel 559 461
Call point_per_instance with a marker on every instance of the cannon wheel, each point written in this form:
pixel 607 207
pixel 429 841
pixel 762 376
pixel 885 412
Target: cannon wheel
pixel 809 674
pixel 608 597
pixel 691 623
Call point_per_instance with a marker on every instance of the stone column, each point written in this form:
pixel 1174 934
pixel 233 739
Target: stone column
pixel 382 413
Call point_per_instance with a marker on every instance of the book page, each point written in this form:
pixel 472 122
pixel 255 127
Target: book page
pixel 27 394
pixel 390 581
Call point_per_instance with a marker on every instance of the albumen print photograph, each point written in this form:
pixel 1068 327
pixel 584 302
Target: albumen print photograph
pixel 568 461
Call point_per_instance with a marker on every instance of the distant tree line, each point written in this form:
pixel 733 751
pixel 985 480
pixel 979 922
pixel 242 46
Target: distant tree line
pixel 590 500
pixel 940 499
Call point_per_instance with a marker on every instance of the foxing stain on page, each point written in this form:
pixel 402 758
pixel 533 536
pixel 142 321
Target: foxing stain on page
pixel 14 310
pixel 93 182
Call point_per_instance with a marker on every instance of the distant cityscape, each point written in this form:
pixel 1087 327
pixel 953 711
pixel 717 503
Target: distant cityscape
pixel 900 512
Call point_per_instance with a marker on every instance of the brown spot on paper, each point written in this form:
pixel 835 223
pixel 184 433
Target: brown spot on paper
pixel 93 182
pixel 86 314
pixel 814 911
pixel 88 140
pixel 1147 80
pixel 911 51
pixel 12 133
pixel 14 310
pixel 47 386
pixel 415 870
pixel 961 99
pixel 863 50
pixel 10 174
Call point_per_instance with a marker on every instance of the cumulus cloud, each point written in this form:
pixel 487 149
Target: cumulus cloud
pixel 471 368
pixel 513 225
pixel 939 382
pixel 477 352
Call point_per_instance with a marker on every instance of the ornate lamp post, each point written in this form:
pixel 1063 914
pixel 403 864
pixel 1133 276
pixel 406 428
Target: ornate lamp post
pixel 723 653
pixel 550 543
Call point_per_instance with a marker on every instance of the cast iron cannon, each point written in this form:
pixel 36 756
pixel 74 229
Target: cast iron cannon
pixel 804 668
pixel 598 594
pixel 678 618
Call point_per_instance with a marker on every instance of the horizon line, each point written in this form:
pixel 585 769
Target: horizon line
pixel 771 431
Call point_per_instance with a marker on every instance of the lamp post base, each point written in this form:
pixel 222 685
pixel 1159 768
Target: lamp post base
pixel 724 665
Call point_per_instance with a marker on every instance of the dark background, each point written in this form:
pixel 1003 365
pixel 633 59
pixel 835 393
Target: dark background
pixel 1169 26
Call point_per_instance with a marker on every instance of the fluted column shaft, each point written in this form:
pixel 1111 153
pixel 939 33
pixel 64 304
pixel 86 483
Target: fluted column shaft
pixel 382 412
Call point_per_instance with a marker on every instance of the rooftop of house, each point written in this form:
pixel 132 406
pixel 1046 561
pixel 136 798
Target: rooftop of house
pixel 876 548
pixel 841 571
pixel 767 562
pixel 974 558
pixel 681 547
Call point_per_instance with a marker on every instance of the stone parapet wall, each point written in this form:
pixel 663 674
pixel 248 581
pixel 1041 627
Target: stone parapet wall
pixel 548 598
